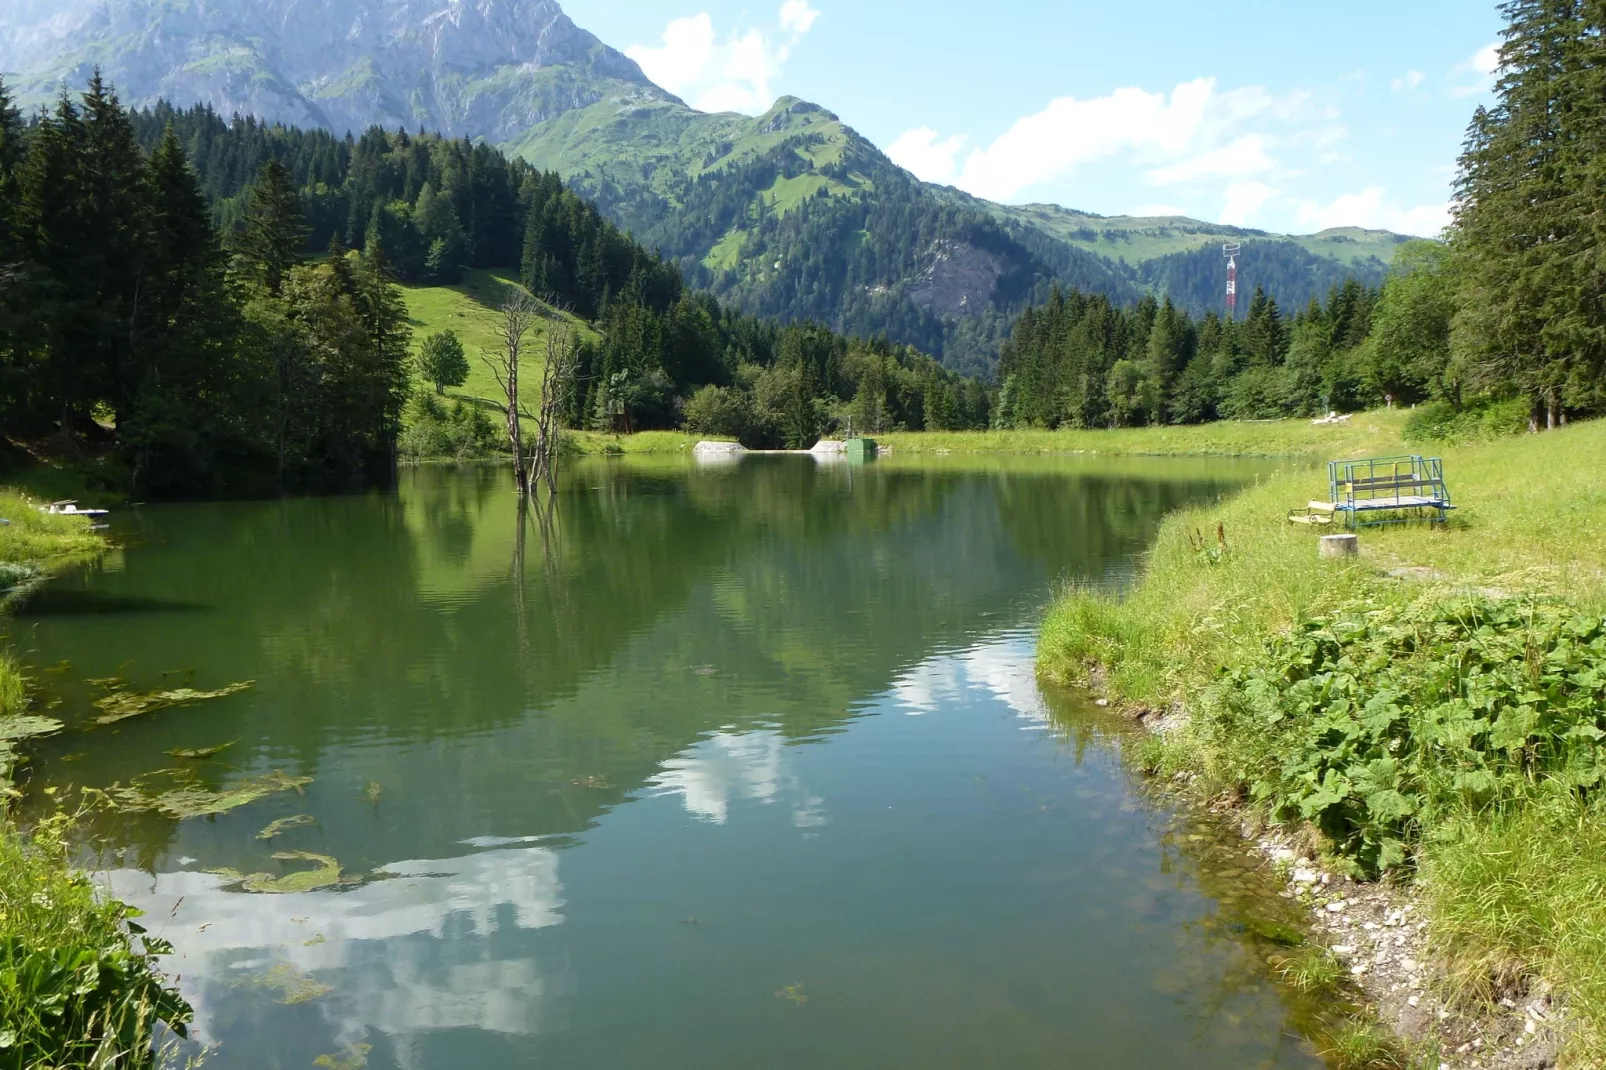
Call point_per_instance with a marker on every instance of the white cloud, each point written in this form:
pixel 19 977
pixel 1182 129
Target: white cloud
pixel 1245 156
pixel 1243 203
pixel 730 75
pixel 1372 209
pixel 1164 131
pixel 921 151
pixel 1408 82
pixel 797 17
pixel 1484 64
pixel 423 913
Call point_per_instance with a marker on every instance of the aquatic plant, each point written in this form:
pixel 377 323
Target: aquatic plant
pixel 285 824
pixel 201 754
pixel 324 874
pixel 119 703
pixel 793 993
pixel 186 797
pixel 295 987
pixel 352 1058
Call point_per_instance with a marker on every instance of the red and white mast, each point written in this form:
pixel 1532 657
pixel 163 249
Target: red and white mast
pixel 1231 251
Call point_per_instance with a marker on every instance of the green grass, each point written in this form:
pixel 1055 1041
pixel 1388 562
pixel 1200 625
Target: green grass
pixel 472 310
pixel 726 255
pixel 1280 438
pixel 41 540
pixel 75 990
pixel 1516 884
pixel 644 442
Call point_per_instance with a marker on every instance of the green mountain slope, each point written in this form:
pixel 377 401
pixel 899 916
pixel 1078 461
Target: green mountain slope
pixel 791 214
pixel 794 215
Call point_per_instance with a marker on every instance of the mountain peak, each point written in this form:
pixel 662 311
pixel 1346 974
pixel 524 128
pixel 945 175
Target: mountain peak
pixel 478 68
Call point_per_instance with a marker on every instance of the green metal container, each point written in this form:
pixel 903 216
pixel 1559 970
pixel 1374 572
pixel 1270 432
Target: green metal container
pixel 861 450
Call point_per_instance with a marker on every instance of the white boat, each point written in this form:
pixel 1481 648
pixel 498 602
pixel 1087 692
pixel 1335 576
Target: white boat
pixel 70 509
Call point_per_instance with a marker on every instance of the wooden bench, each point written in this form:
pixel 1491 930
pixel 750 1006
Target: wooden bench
pixel 1389 490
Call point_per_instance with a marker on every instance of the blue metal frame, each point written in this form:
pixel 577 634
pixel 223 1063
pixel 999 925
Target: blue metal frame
pixel 1424 475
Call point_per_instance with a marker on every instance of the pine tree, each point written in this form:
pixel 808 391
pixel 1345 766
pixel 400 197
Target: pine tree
pixel 1530 311
pixel 275 234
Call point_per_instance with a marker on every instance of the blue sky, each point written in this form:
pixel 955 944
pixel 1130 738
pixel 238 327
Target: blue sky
pixel 1283 116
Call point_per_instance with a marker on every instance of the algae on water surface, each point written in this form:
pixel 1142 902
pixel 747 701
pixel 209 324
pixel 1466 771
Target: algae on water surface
pixel 185 797
pixel 119 703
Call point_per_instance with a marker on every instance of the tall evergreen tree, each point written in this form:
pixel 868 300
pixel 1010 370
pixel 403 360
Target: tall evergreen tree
pixel 1531 314
pixel 274 234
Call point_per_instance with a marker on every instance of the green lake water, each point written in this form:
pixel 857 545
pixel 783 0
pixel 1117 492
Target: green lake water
pixel 731 766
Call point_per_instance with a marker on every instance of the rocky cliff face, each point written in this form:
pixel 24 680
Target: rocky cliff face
pixel 959 279
pixel 481 68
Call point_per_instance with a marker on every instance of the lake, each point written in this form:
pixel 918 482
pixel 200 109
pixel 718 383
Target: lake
pixel 742 765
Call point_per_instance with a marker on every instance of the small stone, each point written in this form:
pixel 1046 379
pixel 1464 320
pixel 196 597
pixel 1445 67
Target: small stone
pixel 1358 970
pixel 1343 949
pixel 1336 906
pixel 1370 926
pixel 1414 1000
pixel 1530 1027
pixel 1306 876
pixel 1410 965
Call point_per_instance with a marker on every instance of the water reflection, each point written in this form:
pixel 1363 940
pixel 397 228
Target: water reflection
pixel 690 692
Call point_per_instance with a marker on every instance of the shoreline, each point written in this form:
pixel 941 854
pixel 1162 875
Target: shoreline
pixel 1504 981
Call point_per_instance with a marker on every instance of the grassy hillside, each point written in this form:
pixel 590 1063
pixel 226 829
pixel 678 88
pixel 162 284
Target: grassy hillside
pixel 1477 654
pixel 659 146
pixel 793 215
pixel 472 310
pixel 1138 239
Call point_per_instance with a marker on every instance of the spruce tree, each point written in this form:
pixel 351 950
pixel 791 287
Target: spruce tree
pixel 275 233
pixel 1530 311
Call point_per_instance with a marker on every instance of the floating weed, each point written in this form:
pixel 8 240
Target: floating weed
pixel 119 703
pixel 324 874
pixel 201 754
pixel 285 824
pixel 598 782
pixel 352 1058
pixel 15 729
pixel 187 798
pixel 315 941
pixel 793 993
pixel 295 987
pixel 372 792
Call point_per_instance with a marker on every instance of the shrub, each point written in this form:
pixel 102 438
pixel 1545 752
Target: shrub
pixel 442 362
pixel 78 980
pixel 1261 394
pixel 726 412
pixel 435 430
pixel 1482 421
pixel 1379 721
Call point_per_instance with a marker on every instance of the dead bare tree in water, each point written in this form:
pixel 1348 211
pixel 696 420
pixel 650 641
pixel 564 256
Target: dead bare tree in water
pixel 557 376
pixel 519 311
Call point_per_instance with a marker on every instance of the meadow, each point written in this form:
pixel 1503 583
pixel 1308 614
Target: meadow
pixel 1428 711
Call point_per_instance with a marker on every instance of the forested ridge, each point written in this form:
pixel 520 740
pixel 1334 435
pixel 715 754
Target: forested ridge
pixel 1499 326
pixel 215 304
pixel 856 243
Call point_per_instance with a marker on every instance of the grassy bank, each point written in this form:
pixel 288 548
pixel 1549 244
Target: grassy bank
pixel 1274 438
pixel 76 986
pixel 1294 439
pixel 1435 708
